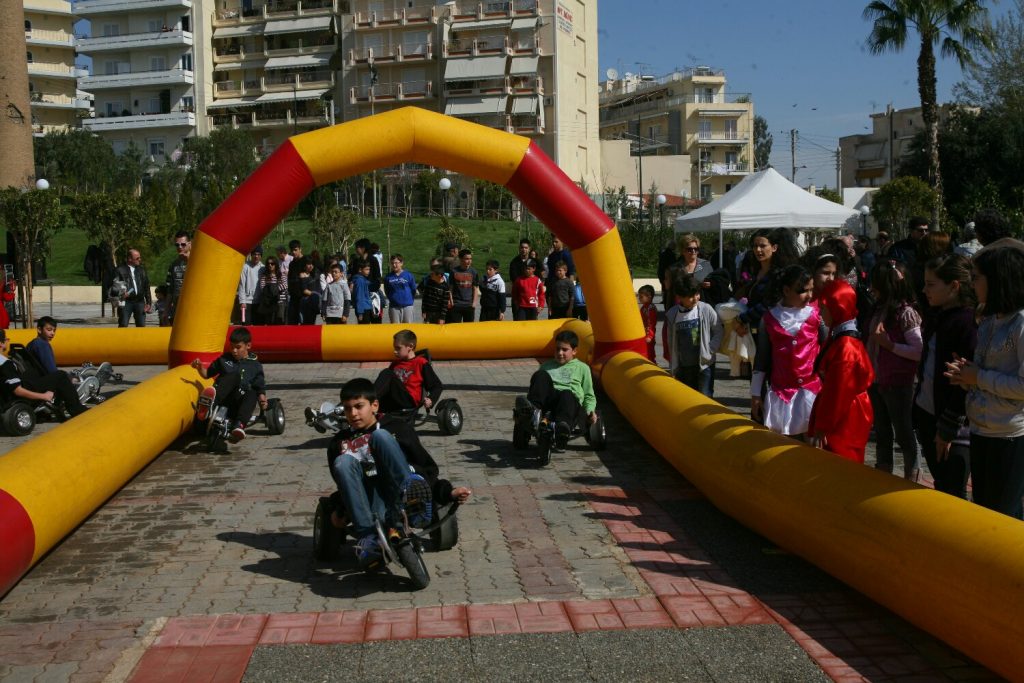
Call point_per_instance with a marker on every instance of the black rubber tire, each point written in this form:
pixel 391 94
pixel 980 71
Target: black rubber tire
pixel 520 436
pixel 545 444
pixel 274 416
pixel 215 442
pixel 446 536
pixel 449 418
pixel 19 419
pixel 597 436
pixel 327 538
pixel 412 559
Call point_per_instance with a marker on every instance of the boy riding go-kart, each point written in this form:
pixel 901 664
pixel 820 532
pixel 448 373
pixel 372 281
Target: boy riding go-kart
pixel 388 485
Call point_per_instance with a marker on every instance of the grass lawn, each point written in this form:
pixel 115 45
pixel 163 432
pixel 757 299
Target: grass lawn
pixel 416 240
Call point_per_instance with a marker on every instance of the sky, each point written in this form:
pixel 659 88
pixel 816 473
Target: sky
pixel 803 62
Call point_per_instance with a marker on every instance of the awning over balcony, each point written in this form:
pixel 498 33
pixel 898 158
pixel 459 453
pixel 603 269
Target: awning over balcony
pixel 238 31
pixel 298 25
pixel 233 102
pixel 290 96
pixel 870 152
pixel 524 66
pixel 294 62
pixel 525 23
pixel 476 106
pixel 524 105
pixel 228 66
pixel 483 23
pixel 475 68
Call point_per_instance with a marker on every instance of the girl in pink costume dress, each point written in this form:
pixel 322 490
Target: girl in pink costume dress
pixel 790 339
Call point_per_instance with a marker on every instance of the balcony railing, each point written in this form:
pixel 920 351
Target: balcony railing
pixel 136 77
pixel 713 168
pixel 287 9
pixel 391 53
pixel 509 85
pixel 609 112
pixel 718 136
pixel 399 17
pixel 261 118
pixel 493 9
pixel 125 41
pixel 39 35
pixel 38 99
pixel 299 81
pixel 56 70
pixel 240 53
pixel 491 46
pixel 412 90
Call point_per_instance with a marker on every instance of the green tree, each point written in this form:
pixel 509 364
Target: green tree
pixel 117 220
pixel 160 194
pixel 898 200
pixel 75 160
pixel 996 78
pixel 762 143
pixel 334 229
pixel 449 232
pixel 956 27
pixel 32 219
pixel 831 195
pixel 214 167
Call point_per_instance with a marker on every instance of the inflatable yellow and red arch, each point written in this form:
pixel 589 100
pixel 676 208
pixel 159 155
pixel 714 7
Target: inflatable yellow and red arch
pixel 950 567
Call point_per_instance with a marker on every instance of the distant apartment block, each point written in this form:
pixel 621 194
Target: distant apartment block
pixel 151 63
pixel 873 159
pixel 56 102
pixel 684 113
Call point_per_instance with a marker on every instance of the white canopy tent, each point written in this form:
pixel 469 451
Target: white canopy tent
pixel 766 200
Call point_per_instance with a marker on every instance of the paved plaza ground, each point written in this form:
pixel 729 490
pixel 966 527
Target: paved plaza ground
pixel 599 567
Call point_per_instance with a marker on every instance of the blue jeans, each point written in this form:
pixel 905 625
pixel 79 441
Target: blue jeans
pixel 379 495
pixel 697 379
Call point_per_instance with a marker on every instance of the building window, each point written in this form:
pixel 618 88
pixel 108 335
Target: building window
pixel 187 103
pixel 705 192
pixel 186 61
pixel 155 147
pixel 28 26
pixel 157 64
pixel 28 57
pixel 730 129
pixel 704 128
pixel 728 186
pixel 110 30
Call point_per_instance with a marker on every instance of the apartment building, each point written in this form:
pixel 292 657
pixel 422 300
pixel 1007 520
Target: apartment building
pixel 524 66
pixel 55 100
pixel 869 159
pixel 273 72
pixel 150 66
pixel 684 113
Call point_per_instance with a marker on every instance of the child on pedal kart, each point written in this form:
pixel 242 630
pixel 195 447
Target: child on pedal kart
pixel 381 469
pixel 410 380
pixel 239 385
pixel 562 390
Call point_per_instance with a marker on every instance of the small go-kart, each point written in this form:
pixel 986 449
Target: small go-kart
pixel 216 427
pixel 447 413
pixel 404 547
pixel 20 416
pixel 530 422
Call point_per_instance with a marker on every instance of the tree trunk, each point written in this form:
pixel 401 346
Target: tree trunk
pixel 926 86
pixel 26 271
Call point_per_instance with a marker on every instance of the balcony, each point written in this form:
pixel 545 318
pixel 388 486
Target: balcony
pixel 231 54
pixel 479 11
pixel 494 86
pixel 174 119
pixel 420 52
pixel 46 38
pixel 307 80
pixel 285 9
pixel 62 9
pixel 711 169
pixel 89 8
pixel 132 41
pixel 43 101
pixel 524 125
pixel 273 118
pixel 133 79
pixel 726 138
pixel 52 70
pixel 392 92
pixel 401 17
pixel 478 47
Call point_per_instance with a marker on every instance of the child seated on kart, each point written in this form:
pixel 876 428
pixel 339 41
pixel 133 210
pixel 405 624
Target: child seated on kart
pixel 239 385
pixel 562 391
pixel 410 380
pixel 382 469
pixel 48 387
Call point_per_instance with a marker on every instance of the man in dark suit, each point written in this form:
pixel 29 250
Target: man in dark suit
pixel 137 296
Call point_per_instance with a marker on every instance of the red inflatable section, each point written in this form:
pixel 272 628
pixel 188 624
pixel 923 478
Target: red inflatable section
pixel 284 343
pixel 264 199
pixel 17 541
pixel 557 201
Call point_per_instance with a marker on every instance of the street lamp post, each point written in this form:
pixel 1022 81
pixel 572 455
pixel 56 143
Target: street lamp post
pixel 864 212
pixel 444 185
pixel 661 199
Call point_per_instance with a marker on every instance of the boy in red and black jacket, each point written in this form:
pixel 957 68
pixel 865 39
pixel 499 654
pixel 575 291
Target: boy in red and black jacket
pixel 528 293
pixel 410 380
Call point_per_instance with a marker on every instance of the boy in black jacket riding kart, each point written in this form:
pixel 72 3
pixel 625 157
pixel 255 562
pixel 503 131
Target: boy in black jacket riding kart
pixel 240 384
pixel 381 469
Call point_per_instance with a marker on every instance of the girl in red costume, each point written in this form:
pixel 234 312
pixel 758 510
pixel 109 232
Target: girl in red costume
pixel 6 294
pixel 841 418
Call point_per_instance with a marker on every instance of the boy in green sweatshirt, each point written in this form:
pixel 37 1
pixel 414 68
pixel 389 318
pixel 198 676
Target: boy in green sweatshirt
pixel 563 389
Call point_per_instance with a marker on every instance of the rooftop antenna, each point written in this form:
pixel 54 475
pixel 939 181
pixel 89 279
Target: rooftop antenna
pixel 612 74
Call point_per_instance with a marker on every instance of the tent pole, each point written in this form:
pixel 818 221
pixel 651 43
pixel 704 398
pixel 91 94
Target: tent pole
pixel 721 246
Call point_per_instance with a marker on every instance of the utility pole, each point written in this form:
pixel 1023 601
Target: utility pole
pixel 792 153
pixel 839 170
pixel 640 164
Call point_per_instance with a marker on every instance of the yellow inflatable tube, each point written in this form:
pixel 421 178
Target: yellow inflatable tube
pixel 953 568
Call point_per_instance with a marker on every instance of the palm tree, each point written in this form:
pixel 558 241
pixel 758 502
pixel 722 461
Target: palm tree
pixel 956 26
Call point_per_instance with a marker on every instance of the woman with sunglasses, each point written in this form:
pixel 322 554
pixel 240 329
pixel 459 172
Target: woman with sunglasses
pixel 689 263
pixel 273 294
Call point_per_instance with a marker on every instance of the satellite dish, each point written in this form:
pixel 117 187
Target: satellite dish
pixel 612 74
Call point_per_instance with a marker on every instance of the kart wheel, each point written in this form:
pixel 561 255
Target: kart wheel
pixel 327 538
pixel 597 436
pixel 450 418
pixel 215 441
pixel 19 419
pixel 88 389
pixel 412 559
pixel 446 536
pixel 274 416
pixel 520 436
pixel 545 444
